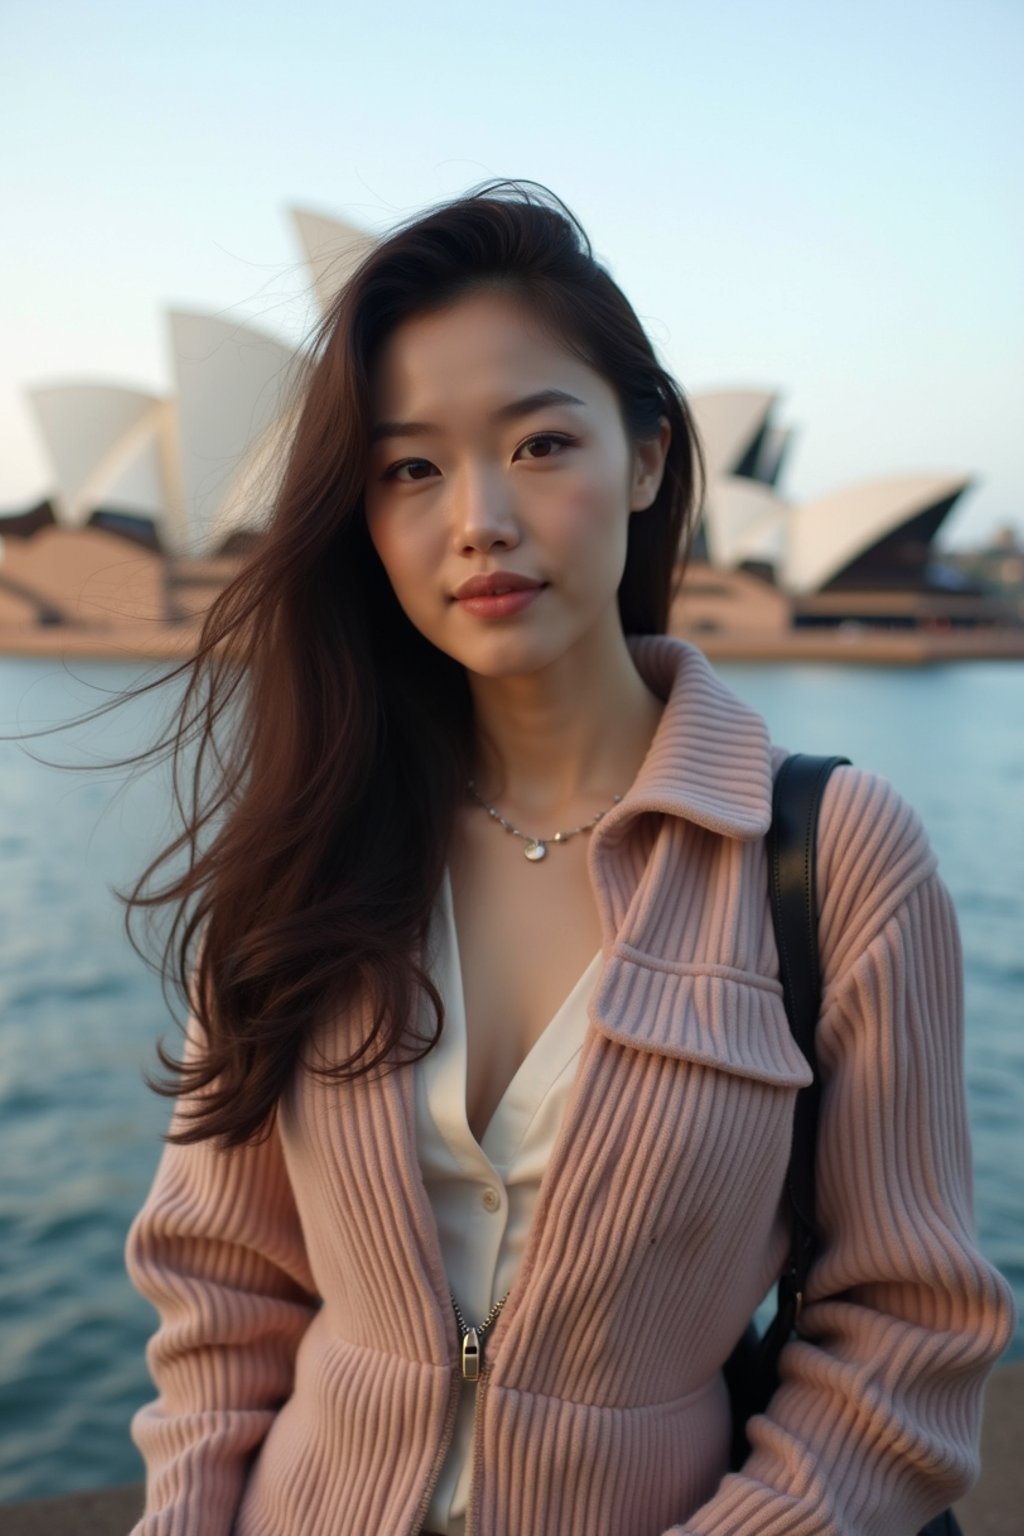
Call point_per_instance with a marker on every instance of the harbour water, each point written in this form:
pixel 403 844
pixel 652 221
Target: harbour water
pixel 80 1012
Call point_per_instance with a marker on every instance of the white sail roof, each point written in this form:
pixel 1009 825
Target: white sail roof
pixel 332 248
pixel 729 422
pixel 92 433
pixel 232 383
pixel 744 520
pixel 250 494
pixel 826 534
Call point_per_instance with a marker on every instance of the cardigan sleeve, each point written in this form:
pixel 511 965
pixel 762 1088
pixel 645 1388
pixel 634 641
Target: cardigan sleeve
pixel 218 1250
pixel 876 1423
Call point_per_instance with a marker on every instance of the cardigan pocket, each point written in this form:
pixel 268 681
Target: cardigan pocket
pixel 711 1015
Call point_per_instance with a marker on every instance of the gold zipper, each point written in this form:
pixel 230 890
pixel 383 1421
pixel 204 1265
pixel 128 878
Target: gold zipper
pixel 478 1453
pixel 475 1371
pixel 468 1368
pixel 471 1337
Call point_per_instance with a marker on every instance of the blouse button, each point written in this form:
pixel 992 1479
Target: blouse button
pixel 492 1199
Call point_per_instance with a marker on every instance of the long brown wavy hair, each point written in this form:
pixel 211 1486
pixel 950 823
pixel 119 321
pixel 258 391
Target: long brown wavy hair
pixel 333 740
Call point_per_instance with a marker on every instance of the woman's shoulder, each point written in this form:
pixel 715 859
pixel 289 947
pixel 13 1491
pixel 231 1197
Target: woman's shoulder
pixel 873 851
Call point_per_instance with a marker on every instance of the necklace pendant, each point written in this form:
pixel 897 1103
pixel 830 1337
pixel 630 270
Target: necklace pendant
pixel 471 1355
pixel 535 850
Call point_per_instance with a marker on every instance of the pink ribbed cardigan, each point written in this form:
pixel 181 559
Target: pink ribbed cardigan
pixel 306 1357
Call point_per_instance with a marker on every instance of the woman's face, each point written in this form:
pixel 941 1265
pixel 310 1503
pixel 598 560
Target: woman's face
pixel 477 487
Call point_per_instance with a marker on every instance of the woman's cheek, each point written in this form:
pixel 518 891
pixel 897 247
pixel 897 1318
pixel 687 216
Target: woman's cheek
pixel 594 523
pixel 583 510
pixel 406 550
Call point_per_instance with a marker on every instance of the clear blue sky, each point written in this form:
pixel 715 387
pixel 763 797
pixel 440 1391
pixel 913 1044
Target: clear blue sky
pixel 818 198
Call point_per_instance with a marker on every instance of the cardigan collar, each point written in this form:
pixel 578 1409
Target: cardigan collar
pixel 710 760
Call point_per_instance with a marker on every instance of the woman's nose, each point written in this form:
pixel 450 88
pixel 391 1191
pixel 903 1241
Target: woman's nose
pixel 483 513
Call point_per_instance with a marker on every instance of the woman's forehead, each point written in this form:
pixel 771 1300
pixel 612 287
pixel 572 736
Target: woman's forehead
pixel 485 351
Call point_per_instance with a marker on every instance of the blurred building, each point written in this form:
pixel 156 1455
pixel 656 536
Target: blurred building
pixel 864 555
pixel 178 484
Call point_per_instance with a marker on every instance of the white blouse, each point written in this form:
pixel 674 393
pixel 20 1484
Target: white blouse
pixel 483 1194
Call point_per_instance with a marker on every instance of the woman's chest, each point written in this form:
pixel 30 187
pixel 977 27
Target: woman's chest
pixel 524 938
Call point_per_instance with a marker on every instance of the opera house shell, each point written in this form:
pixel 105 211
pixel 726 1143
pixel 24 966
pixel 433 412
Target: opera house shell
pixel 187 478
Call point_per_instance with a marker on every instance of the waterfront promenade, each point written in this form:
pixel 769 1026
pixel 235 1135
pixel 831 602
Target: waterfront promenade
pixel 993 1508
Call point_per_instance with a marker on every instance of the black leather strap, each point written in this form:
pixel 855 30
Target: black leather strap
pixel 751 1371
pixel 792 847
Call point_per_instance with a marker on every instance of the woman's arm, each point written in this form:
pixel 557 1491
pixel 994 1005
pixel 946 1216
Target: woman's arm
pixel 876 1423
pixel 218 1250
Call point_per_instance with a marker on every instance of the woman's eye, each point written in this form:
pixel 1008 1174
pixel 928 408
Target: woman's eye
pixel 560 438
pixel 549 437
pixel 392 473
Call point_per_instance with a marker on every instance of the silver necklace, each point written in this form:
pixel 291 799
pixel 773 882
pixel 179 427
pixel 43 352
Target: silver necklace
pixel 536 847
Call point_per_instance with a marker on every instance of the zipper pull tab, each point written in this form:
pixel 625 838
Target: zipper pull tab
pixel 470 1355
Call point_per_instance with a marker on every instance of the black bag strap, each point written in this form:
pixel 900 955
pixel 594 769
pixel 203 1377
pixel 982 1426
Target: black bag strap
pixel 792 849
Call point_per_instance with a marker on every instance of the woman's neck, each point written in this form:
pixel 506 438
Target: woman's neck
pixel 564 740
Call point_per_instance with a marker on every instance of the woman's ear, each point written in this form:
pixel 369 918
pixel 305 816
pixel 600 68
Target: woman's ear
pixel 649 467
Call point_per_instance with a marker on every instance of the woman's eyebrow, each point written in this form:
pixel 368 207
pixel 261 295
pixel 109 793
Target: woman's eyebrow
pixel 510 412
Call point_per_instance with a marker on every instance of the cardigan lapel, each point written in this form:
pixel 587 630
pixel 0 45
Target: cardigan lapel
pixel 710 759
pixel 675 982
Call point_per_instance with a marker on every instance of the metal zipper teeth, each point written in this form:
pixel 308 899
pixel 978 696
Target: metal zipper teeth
pixel 478 1452
pixel 454 1393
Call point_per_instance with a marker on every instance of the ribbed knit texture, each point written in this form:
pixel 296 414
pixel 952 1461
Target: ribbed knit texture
pixel 306 1358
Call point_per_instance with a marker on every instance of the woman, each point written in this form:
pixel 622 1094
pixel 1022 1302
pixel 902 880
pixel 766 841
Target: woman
pixel 475 1175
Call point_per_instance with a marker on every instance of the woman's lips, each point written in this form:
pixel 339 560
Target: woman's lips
pixel 501 606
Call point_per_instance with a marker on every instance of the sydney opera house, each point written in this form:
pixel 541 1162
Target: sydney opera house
pixel 153 497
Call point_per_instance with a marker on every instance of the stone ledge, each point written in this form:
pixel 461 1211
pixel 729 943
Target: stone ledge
pixel 101 1512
